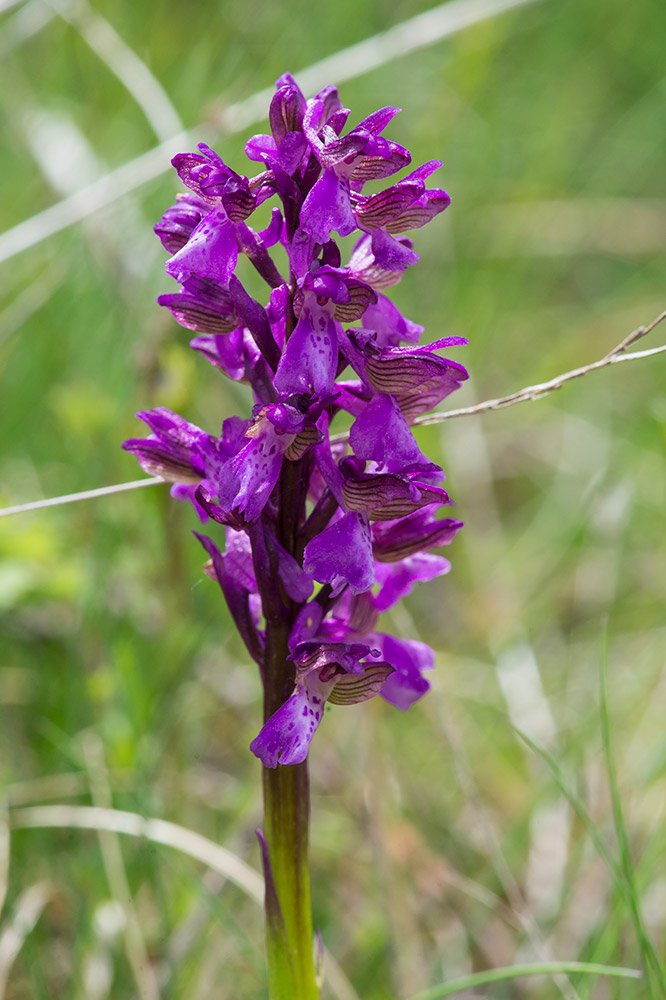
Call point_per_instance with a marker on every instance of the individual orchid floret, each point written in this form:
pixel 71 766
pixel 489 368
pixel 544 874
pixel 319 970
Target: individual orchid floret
pixel 171 450
pixel 342 673
pixel 354 620
pixel 422 530
pixel 387 496
pixel 381 434
pixel 212 250
pixel 325 297
pixel 358 156
pixel 410 659
pixel 203 305
pixel 408 373
pixel 246 481
pixel 405 206
pixel 179 222
pixel 364 266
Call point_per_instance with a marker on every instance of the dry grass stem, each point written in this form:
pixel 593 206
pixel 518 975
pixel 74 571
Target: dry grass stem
pixel 543 388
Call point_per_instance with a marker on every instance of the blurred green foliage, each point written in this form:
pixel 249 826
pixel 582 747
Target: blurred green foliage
pixel 441 845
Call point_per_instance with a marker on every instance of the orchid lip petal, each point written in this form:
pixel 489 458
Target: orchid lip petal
pixel 285 738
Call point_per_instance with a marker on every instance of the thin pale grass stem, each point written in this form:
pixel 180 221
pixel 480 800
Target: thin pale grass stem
pixel 160 831
pixel 509 647
pixel 653 968
pixel 348 64
pixel 116 875
pixel 493 850
pixel 531 392
pixel 103 491
pixel 542 388
pixel 51 786
pixel 124 63
pixel 23 25
pixel 5 848
pixel 28 910
pixel 616 869
pixel 520 971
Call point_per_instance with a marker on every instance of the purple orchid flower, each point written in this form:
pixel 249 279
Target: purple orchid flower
pixel 293 509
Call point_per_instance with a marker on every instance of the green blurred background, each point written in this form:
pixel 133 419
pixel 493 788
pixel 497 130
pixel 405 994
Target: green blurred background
pixel 441 843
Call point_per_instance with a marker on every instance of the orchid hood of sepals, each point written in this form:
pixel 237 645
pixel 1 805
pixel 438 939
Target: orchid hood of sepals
pixel 313 533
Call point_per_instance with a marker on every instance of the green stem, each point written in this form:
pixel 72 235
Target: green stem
pixel 291 974
pixel 286 804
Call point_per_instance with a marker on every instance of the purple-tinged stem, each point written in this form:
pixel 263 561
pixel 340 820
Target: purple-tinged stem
pixel 286 788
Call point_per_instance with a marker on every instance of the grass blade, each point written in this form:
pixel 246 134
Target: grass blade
pixel 519 972
pixel 653 971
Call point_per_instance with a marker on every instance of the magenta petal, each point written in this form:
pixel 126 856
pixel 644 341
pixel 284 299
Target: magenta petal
pixel 398 579
pixel 378 120
pixel 305 627
pixel 386 320
pixel 211 252
pixel 327 208
pixel 187 492
pixel 261 148
pixel 342 549
pixel 409 659
pixel 297 583
pixel 247 480
pixel 310 358
pixel 286 737
pixel 381 434
pixel 391 254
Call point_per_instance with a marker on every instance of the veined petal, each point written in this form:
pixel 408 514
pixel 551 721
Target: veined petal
pixel 375 211
pixel 410 659
pixel 179 222
pixel 416 533
pixel 366 492
pixel 360 297
pixel 203 305
pixel 397 579
pixel 370 168
pixel 420 212
pixel 330 658
pixel 363 265
pixel 286 110
pixel 352 690
pixel 397 372
pixel 170 451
